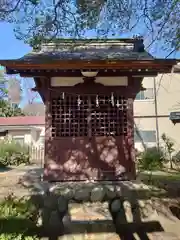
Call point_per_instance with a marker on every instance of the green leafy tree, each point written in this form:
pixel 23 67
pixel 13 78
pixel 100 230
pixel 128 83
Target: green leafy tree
pixel 11 210
pixel 6 109
pixel 150 160
pixel 3 89
pixel 36 20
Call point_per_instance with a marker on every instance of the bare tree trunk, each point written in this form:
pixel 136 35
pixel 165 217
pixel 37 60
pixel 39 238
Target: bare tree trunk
pixel 171 162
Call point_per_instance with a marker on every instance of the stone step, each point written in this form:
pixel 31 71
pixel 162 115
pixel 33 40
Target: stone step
pixel 150 236
pixel 163 236
pixel 91 221
pixel 89 211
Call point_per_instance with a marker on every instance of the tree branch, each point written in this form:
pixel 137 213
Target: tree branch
pixel 174 50
pixel 163 25
pixel 11 10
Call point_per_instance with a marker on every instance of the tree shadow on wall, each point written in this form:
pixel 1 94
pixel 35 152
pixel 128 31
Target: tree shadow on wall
pixel 137 131
pixel 82 158
pixel 102 158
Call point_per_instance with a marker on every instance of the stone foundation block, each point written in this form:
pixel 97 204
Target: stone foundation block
pixel 115 205
pixel 82 194
pixel 98 194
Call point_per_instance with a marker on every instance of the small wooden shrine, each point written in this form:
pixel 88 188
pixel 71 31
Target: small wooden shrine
pixel 88 88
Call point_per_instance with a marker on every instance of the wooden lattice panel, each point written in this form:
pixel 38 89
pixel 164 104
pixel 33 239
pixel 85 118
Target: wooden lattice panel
pixel 93 115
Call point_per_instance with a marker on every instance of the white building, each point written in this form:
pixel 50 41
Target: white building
pixel 152 108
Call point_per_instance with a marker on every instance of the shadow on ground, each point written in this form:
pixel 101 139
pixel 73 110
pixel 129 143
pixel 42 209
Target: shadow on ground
pixel 125 231
pixel 5 169
pixel 121 226
pixel 130 212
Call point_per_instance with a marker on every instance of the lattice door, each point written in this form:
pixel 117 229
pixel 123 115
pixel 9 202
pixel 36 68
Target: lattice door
pixel 89 115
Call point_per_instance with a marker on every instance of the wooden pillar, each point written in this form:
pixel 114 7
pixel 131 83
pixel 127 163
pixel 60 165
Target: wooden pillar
pixel 130 140
pixel 134 86
pixel 48 123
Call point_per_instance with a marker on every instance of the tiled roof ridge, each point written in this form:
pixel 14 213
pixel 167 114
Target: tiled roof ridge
pixel 86 43
pixel 69 48
pixel 71 40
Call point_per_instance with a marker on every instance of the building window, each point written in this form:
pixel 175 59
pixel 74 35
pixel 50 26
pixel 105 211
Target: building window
pixel 147 94
pixel 14 105
pixel 148 136
pixel 19 139
pixel 94 115
pixel 3 133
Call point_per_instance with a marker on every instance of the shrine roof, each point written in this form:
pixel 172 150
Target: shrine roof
pixel 88 50
pixel 61 54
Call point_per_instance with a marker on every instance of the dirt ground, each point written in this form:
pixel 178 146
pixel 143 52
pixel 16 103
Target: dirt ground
pixel 25 180
pixel 10 180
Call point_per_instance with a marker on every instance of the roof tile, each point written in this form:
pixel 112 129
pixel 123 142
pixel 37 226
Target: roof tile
pixel 88 50
pixel 22 121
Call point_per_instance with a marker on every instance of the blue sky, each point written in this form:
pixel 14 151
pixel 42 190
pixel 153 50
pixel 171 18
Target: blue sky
pixel 11 48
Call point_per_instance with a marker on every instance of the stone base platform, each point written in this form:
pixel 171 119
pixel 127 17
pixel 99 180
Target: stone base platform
pixel 96 210
pixel 97 191
pixel 87 208
pixel 87 191
pixel 133 197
